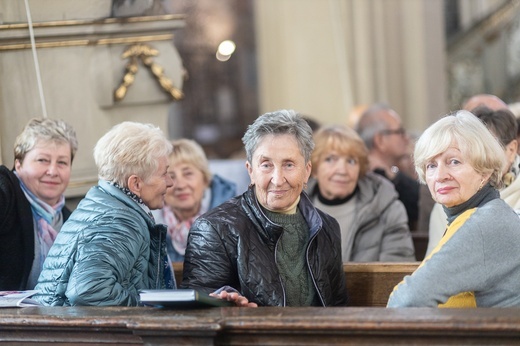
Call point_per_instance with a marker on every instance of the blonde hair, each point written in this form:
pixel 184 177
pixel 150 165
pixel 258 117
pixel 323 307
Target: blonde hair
pixel 189 151
pixel 46 130
pixel 476 143
pixel 130 148
pixel 342 139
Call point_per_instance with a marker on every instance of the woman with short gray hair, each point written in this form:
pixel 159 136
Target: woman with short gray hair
pixel 270 246
pixel 111 248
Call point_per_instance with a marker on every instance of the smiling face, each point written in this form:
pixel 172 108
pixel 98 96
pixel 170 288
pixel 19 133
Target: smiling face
pixel 337 174
pixel 152 190
pixel 45 170
pixel 185 196
pixel 278 171
pixel 451 178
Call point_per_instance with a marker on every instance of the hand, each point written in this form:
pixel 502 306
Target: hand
pixel 235 298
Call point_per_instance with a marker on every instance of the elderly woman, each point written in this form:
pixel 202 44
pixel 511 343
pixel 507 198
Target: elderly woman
pixel 195 190
pixel 503 126
pixel 32 205
pixel 271 245
pixel 110 248
pixel 373 221
pixel 476 261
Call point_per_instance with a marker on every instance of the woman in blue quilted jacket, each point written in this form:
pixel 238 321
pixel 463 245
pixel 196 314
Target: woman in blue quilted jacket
pixel 111 247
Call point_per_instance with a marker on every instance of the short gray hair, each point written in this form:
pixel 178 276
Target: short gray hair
pixel 47 130
pixel 281 122
pixel 130 148
pixel 475 141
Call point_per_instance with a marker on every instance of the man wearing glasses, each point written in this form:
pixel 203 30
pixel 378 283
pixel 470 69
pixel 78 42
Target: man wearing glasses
pixel 381 129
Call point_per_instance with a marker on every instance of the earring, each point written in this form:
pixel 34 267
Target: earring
pixel 305 185
pixel 481 185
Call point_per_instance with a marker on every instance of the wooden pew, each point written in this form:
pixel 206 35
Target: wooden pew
pixel 368 284
pixel 80 326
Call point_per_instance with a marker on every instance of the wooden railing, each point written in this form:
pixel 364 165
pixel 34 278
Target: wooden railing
pixel 261 326
pixel 368 284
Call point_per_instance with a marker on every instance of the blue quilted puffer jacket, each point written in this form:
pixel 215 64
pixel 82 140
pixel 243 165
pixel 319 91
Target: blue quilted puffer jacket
pixel 106 252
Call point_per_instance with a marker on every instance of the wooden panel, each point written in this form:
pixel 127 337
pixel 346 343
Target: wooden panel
pixel 368 284
pixel 262 326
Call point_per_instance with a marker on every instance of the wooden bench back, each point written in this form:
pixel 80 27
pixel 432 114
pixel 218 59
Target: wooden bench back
pixel 368 284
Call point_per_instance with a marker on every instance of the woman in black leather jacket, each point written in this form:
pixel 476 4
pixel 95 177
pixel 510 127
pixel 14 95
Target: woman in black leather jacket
pixel 270 245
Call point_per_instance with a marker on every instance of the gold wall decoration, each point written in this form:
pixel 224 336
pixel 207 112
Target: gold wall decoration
pixel 144 53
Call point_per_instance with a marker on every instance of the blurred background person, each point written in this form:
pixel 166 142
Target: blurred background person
pixel 476 262
pixel 111 248
pixel 195 191
pixel 32 204
pixel 503 126
pixel 373 221
pixel 491 101
pixel 381 129
pixel 270 244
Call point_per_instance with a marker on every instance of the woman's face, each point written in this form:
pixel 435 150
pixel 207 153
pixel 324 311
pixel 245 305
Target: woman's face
pixel 451 178
pixel 153 190
pixel 337 174
pixel 185 196
pixel 45 170
pixel 279 171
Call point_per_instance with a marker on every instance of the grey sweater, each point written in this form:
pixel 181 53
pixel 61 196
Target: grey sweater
pixel 481 257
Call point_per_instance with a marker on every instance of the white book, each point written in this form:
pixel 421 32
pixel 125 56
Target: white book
pixel 20 299
pixel 180 298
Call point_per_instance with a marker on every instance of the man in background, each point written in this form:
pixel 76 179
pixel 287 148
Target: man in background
pixel 381 129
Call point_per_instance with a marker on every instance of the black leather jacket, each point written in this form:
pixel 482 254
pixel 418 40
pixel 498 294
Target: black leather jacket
pixel 234 244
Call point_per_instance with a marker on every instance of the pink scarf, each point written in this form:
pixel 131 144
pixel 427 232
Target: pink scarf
pixel 178 230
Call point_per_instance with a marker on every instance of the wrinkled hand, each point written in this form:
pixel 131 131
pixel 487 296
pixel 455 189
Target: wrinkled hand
pixel 235 298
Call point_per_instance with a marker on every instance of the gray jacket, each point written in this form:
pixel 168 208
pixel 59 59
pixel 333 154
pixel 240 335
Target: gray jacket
pixel 379 229
pixel 106 252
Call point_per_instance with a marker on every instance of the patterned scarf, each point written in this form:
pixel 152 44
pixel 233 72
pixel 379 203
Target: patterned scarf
pixel 48 219
pixel 133 196
pixel 178 230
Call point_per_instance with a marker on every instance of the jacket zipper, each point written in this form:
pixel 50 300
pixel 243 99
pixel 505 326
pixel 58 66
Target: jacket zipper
pixel 158 262
pixel 310 271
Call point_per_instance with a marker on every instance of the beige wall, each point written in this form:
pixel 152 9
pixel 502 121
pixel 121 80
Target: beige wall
pixel 322 57
pixel 81 66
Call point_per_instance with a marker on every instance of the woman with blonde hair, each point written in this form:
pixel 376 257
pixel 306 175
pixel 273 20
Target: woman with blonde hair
pixel 195 191
pixel 111 248
pixel 373 221
pixel 476 262
pixel 32 201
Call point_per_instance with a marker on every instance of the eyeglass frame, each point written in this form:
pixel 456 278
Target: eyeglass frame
pixel 400 131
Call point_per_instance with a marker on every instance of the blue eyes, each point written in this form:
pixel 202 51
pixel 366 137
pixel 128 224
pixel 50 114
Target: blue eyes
pixel 451 162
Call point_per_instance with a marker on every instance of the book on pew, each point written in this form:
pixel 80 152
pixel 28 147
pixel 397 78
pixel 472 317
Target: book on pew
pixel 180 298
pixel 20 299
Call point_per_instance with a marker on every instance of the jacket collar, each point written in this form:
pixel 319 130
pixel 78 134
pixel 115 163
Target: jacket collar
pixel 273 231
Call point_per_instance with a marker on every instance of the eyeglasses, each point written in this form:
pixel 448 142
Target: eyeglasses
pixel 400 131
